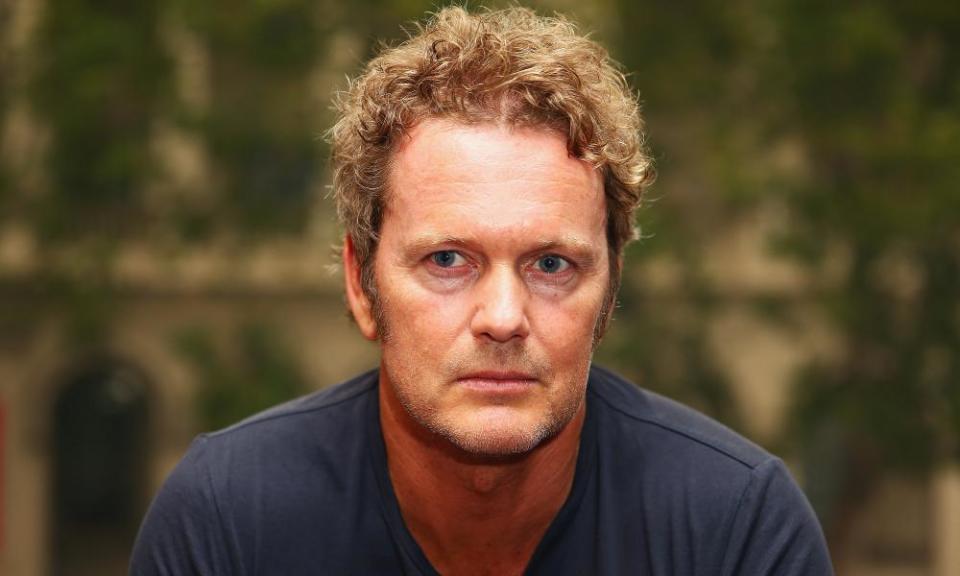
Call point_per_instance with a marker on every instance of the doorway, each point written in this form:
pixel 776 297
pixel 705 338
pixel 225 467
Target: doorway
pixel 99 447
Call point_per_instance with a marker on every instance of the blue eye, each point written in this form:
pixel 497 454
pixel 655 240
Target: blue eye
pixel 552 264
pixel 445 258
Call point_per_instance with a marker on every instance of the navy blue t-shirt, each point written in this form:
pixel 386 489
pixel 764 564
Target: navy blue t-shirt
pixel 303 488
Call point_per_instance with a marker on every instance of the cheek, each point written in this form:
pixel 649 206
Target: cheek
pixel 422 320
pixel 569 323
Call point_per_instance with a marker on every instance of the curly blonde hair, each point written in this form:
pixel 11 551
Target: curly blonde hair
pixel 506 66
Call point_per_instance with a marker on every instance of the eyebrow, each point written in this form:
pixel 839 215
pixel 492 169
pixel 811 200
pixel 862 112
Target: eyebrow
pixel 581 250
pixel 427 242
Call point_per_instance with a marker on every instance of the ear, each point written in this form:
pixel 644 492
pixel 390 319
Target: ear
pixel 357 300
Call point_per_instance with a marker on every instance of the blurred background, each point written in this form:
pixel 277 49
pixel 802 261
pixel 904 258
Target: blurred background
pixel 165 229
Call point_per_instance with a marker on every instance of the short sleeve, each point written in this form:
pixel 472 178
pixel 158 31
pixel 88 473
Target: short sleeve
pixel 182 533
pixel 774 530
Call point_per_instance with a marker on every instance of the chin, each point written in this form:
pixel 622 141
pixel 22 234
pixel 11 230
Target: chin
pixel 497 436
pixel 494 443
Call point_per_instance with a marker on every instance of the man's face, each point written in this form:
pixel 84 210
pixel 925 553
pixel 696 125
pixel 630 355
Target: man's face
pixel 491 270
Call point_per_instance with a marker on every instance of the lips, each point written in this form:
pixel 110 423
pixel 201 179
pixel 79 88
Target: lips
pixel 498 382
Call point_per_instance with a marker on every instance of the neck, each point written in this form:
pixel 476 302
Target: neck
pixel 475 514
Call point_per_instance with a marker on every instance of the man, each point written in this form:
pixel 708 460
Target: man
pixel 486 172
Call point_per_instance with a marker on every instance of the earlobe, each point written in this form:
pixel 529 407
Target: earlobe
pixel 357 300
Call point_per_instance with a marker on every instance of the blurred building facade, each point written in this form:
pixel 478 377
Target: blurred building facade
pixel 98 402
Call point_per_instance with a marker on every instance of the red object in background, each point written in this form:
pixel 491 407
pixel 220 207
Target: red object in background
pixel 3 442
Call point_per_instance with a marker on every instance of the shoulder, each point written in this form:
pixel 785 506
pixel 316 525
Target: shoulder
pixel 312 421
pixel 283 472
pixel 663 456
pixel 329 402
pixel 676 427
pixel 329 425
pixel 330 422
pixel 724 500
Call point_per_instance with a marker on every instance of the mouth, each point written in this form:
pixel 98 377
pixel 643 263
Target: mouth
pixel 498 382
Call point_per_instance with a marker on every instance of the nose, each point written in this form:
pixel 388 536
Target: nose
pixel 500 313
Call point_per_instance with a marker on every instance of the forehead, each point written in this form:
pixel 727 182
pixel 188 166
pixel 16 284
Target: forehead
pixel 489 174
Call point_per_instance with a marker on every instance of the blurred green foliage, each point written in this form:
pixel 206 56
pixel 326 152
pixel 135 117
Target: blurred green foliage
pixel 259 125
pixel 101 81
pixel 6 87
pixel 877 104
pixel 255 370
pixel 847 114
